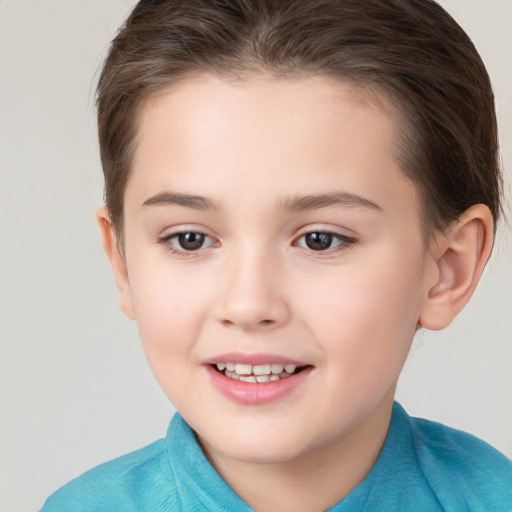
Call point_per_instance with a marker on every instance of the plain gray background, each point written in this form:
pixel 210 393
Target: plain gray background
pixel 75 389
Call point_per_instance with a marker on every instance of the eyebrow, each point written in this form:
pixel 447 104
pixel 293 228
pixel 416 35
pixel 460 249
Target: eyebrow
pixel 293 203
pixel 188 200
pixel 316 201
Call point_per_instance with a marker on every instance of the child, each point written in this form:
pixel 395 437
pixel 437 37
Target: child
pixel 293 189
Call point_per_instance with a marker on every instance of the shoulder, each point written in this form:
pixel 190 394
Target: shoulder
pixel 461 469
pixel 120 484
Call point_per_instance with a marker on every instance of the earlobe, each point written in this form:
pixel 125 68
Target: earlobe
pixel 110 245
pixel 459 257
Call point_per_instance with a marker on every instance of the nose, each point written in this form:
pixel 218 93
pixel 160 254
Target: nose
pixel 253 296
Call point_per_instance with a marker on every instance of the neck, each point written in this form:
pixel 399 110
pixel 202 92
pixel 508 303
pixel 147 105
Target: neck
pixel 314 481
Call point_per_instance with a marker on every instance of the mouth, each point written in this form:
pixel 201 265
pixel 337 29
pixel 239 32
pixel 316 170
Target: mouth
pixel 260 373
pixel 257 378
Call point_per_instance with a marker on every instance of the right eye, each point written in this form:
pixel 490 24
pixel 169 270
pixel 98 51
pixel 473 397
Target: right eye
pixel 187 241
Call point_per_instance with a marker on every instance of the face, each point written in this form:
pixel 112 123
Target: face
pixel 268 226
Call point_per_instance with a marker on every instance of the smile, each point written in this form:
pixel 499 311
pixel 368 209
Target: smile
pixel 257 373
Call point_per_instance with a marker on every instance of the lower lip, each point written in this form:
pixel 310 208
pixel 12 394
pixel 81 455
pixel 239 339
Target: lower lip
pixel 252 393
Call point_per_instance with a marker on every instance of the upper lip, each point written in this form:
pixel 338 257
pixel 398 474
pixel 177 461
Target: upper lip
pixel 253 359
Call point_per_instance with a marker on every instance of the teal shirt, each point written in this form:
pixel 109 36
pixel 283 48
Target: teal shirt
pixel 423 467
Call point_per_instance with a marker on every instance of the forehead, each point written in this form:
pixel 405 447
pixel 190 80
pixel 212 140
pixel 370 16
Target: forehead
pixel 263 104
pixel 265 137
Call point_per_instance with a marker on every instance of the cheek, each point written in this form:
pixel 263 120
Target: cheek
pixel 169 310
pixel 366 314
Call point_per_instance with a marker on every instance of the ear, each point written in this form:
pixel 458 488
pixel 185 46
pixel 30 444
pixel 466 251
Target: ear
pixel 111 247
pixel 460 256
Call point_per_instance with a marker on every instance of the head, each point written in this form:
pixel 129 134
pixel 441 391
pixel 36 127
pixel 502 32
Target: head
pixel 293 182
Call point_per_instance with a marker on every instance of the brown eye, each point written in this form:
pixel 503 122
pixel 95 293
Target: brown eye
pixel 318 241
pixel 187 242
pixel 323 241
pixel 190 241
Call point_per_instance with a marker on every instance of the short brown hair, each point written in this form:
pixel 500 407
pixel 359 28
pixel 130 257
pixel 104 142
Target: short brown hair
pixel 413 51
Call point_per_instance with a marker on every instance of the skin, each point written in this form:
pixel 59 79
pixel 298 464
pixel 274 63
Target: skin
pixel 350 311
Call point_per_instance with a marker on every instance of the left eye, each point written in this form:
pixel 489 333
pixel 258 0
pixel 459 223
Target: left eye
pixel 189 241
pixel 322 241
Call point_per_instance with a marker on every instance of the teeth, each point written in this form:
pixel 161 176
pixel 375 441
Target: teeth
pixel 276 368
pixel 248 379
pixel 256 373
pixel 243 369
pixel 261 369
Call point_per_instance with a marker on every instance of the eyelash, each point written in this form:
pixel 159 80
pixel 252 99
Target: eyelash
pixel 182 253
pixel 344 243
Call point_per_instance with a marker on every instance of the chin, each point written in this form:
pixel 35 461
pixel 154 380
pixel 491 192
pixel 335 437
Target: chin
pixel 257 448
